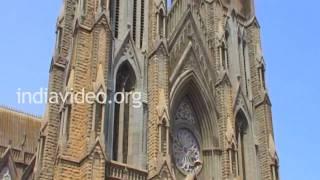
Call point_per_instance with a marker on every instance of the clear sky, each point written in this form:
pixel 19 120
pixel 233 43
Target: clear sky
pixel 291 44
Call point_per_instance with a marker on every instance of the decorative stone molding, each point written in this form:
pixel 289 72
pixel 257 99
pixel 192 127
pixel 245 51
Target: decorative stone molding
pixel 100 80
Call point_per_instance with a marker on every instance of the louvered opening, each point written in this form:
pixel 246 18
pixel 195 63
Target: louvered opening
pixel 142 23
pixel 134 22
pixel 116 27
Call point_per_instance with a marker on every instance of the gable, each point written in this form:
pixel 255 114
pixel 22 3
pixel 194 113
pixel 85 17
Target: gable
pixel 190 61
pixel 127 52
pixel 163 172
pixel 240 101
pixel 185 38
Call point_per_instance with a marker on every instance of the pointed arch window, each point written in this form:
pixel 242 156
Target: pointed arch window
pixel 65 118
pixel 224 53
pixel 67 121
pixel 125 83
pixel 59 39
pixel 244 59
pixel 40 150
pixel 241 131
pixel 242 52
pixel 164 136
pixel 262 78
pixel 224 56
pixel 62 119
pixel 99 107
pixel 161 23
pixel 186 147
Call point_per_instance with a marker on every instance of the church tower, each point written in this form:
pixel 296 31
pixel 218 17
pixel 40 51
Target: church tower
pixel 179 93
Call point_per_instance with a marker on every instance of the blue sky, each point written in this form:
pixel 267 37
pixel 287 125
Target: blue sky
pixel 291 44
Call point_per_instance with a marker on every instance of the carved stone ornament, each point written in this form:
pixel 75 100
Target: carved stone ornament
pixel 185 113
pixel 186 151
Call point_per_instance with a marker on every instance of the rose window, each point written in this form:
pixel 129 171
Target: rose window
pixel 186 151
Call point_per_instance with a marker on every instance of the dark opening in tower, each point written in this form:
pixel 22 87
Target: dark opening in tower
pixel 241 132
pixel 125 83
pixel 161 23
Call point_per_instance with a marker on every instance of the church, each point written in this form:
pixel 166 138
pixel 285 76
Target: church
pixel 199 71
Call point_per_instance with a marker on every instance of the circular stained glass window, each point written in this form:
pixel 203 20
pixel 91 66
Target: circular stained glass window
pixel 186 151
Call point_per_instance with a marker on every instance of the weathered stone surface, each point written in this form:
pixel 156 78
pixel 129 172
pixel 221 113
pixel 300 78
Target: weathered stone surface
pixel 205 111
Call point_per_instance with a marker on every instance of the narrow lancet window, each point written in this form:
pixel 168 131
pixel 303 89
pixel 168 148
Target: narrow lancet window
pixel 262 76
pixel 161 23
pixel 125 83
pixel 99 115
pixel 241 130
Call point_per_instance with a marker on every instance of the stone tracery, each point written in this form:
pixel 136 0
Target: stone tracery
pixel 186 151
pixel 186 148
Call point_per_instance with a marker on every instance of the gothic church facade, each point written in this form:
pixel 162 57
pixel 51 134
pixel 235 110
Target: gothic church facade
pixel 205 111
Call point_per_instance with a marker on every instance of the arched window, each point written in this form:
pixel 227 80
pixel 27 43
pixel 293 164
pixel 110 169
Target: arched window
pixel 164 137
pixel 224 53
pixel 59 39
pixel 244 59
pixel 40 150
pixel 125 83
pixel 99 115
pixel 67 121
pixel 223 56
pixel 241 131
pixel 161 24
pixel 186 142
pixel 262 78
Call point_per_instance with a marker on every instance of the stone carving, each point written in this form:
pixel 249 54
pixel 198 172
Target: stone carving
pixel 186 151
pixel 185 113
